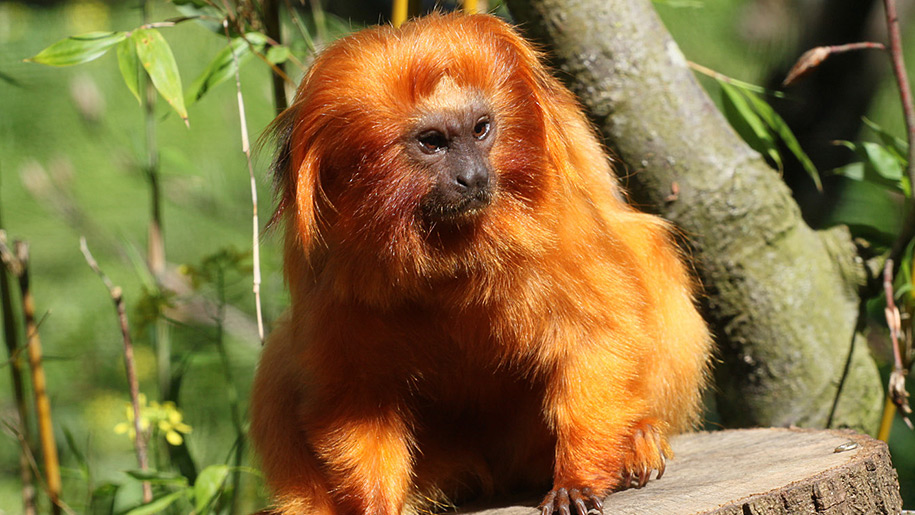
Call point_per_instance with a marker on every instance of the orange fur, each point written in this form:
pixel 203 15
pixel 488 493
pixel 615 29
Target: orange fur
pixel 549 339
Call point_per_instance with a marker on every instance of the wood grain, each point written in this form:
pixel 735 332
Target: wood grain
pixel 760 472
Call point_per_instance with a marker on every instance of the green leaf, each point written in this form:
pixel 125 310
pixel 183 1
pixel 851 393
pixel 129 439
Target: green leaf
pixel 897 145
pixel 278 54
pixel 883 161
pixel 102 499
pixel 781 129
pixel 159 504
pixel 209 485
pixel 159 62
pixel 158 477
pixel 747 122
pixel 129 64
pixel 869 210
pixel 78 49
pixel 854 171
pixel 878 165
pixel 222 67
pixel 76 452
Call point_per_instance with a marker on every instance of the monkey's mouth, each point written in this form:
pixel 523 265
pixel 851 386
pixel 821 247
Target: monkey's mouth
pixel 435 208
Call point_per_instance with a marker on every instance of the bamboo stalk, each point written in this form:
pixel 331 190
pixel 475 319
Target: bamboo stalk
pixel 399 12
pixel 39 381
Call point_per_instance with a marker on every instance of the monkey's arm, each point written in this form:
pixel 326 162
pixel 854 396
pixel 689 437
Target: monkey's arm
pixel 604 435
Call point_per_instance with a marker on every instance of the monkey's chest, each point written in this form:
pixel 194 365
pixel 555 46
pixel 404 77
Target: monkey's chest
pixel 488 422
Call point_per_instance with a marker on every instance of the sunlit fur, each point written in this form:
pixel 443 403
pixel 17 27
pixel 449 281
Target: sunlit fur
pixel 539 343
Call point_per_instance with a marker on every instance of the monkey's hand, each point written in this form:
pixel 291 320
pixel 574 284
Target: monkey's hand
pixel 561 500
pixel 650 451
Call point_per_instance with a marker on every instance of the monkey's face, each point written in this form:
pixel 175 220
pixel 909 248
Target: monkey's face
pixel 420 153
pixel 450 142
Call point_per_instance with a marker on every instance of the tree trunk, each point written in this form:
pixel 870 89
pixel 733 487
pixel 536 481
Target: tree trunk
pixel 781 298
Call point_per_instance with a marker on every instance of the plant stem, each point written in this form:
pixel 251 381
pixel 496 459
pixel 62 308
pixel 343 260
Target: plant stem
pixel 155 251
pixel 39 382
pixel 231 392
pixel 255 223
pixel 273 29
pixel 133 384
pixel 905 95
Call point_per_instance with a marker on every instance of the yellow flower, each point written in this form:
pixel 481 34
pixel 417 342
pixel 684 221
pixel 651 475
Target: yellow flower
pixel 165 418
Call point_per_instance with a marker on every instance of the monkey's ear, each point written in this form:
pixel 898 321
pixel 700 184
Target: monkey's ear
pixel 304 180
pixel 280 131
pixel 295 176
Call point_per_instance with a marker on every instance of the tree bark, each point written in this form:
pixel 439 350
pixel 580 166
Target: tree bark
pixel 781 298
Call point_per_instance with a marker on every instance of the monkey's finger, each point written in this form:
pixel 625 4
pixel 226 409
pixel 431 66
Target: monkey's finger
pixel 663 465
pixel 595 500
pixel 579 501
pixel 644 474
pixel 546 506
pixel 563 502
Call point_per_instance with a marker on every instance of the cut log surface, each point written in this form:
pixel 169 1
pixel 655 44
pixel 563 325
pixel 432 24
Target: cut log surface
pixel 761 472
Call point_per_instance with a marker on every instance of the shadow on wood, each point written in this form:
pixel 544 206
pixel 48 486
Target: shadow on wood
pixel 761 472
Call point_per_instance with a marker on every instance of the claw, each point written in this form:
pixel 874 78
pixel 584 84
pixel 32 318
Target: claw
pixel 596 501
pixel 663 466
pixel 627 479
pixel 644 474
pixel 579 501
pixel 564 501
pixel 546 507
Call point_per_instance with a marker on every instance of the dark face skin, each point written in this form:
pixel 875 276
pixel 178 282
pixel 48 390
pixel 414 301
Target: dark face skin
pixel 454 146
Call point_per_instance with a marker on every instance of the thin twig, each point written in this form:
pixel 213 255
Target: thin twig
pixel 155 251
pixel 32 465
pixel 815 57
pixel 297 21
pixel 277 71
pixel 255 237
pixel 317 14
pixel 905 95
pixel 731 80
pixel 894 323
pixel 896 386
pixel 132 382
pixel 232 392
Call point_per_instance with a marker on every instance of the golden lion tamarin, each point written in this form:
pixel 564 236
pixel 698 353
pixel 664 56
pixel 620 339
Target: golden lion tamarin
pixel 474 307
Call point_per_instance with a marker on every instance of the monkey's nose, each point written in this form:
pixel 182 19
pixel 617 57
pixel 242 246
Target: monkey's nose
pixel 472 181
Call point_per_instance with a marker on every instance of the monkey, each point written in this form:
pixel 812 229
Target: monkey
pixel 475 309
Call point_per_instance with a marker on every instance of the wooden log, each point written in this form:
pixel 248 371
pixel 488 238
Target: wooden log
pixel 760 472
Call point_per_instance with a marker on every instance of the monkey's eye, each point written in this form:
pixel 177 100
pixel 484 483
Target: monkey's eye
pixel 481 129
pixel 432 141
